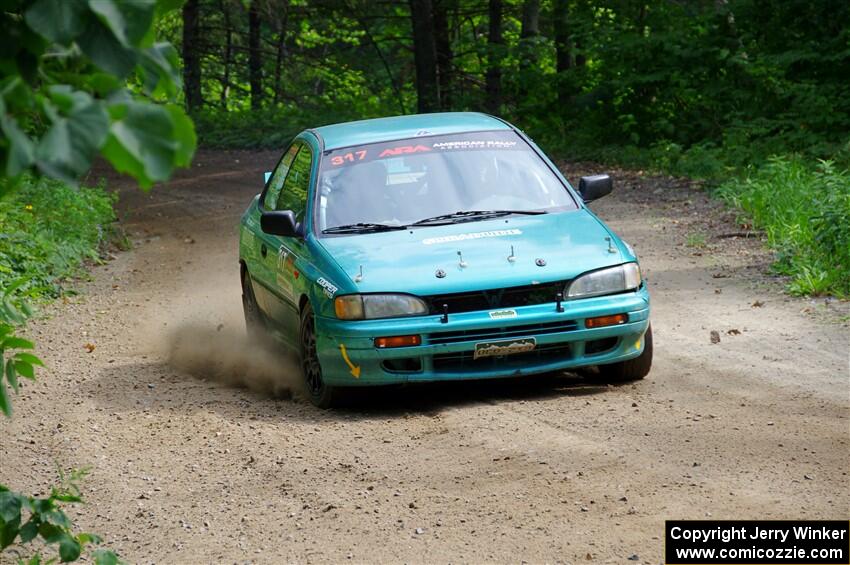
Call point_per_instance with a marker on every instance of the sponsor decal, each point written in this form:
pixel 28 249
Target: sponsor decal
pixel 327 286
pixel 403 150
pixel 503 347
pixel 474 144
pixel 473 235
pixel 500 314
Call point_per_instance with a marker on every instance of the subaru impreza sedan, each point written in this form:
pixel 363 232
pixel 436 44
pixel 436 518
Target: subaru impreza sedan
pixel 437 247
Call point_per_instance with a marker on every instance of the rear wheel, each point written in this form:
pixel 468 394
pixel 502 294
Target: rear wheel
pixel 320 394
pixel 254 324
pixel 632 369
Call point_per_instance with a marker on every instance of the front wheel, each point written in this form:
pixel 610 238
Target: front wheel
pixel 632 369
pixel 320 394
pixel 254 323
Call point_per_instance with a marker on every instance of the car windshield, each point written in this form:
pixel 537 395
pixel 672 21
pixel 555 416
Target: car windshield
pixel 433 180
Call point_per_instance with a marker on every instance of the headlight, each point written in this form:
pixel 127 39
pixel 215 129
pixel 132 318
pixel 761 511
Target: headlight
pixel 368 306
pixel 605 281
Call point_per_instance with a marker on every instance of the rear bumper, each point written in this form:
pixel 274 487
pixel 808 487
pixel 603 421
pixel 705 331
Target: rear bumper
pixel 446 353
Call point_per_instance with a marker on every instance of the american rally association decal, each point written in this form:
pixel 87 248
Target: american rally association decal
pixel 474 235
pixel 327 286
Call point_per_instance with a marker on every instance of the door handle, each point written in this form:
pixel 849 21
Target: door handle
pixel 264 250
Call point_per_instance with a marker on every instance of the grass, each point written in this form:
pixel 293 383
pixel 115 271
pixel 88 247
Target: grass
pixel 47 231
pixel 804 210
pixel 696 240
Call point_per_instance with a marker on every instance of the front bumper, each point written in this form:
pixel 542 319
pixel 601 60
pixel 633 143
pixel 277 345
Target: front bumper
pixel 349 358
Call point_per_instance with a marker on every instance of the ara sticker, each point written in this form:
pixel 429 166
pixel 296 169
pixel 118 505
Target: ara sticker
pixel 500 314
pixel 327 286
pixel 474 235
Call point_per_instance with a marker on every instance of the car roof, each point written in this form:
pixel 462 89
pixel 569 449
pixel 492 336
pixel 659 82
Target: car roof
pixel 404 127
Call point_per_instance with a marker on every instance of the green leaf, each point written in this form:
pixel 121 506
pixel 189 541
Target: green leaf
pixel 67 149
pixel 10 506
pixel 11 375
pixel 17 343
pixel 24 369
pixel 51 533
pixel 105 51
pixel 29 358
pixel 20 152
pixel 8 532
pixel 56 517
pixel 160 64
pixel 184 134
pixel 85 538
pixel 105 557
pixel 129 22
pixel 5 404
pixel 69 549
pixel 59 21
pixel 29 530
pixel 141 143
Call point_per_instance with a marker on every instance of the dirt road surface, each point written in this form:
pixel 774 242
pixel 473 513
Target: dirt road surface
pixel 187 469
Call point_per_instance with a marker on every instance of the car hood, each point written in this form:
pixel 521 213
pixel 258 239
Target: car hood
pixel 565 243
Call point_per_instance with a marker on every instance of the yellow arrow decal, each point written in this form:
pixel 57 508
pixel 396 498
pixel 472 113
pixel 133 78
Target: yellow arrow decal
pixel 355 370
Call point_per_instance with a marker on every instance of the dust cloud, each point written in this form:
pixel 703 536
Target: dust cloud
pixel 226 355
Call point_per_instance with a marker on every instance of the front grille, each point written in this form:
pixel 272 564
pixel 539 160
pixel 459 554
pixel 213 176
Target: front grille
pixel 463 360
pixel 495 299
pixel 502 332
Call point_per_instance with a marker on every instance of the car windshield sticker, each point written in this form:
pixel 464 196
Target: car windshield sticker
pixel 474 235
pixel 327 286
pixel 476 141
pixel 499 314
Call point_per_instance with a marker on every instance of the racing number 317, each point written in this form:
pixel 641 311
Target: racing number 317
pixel 351 156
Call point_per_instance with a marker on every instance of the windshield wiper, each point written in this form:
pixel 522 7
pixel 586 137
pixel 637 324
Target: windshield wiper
pixel 362 227
pixel 468 215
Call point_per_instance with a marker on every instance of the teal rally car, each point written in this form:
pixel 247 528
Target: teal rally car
pixel 437 247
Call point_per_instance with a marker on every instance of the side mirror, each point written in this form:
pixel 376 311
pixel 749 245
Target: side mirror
pixel 594 187
pixel 279 222
pixel 266 176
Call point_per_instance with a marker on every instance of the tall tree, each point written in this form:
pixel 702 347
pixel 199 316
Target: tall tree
pixel 425 55
pixel 443 43
pixel 495 46
pixel 228 53
pixel 255 61
pixel 191 56
pixel 563 51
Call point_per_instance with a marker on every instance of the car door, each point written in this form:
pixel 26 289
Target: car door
pixel 283 252
pixel 263 271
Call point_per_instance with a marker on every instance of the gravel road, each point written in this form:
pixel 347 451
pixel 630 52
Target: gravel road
pixel 187 468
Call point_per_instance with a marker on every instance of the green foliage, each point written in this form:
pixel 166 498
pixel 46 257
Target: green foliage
pixel 24 519
pixel 63 97
pixel 48 230
pixel 15 358
pixel 805 213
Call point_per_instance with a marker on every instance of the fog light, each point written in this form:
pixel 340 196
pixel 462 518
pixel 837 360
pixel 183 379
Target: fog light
pixel 397 341
pixel 602 321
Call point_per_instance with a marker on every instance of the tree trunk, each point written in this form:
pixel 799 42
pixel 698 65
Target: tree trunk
pixel 228 54
pixel 563 49
pixel 255 62
pixel 191 58
pixel 281 52
pixel 528 47
pixel 425 55
pixel 443 45
pixel 493 86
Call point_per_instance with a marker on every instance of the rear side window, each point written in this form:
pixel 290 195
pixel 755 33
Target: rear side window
pixel 297 184
pixel 279 176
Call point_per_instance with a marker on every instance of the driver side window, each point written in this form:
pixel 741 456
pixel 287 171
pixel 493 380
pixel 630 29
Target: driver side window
pixel 279 176
pixel 297 184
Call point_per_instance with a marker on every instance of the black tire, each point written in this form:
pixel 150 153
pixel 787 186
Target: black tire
pixel 632 369
pixel 317 391
pixel 255 325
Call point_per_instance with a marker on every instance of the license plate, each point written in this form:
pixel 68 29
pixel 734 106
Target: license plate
pixel 503 347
